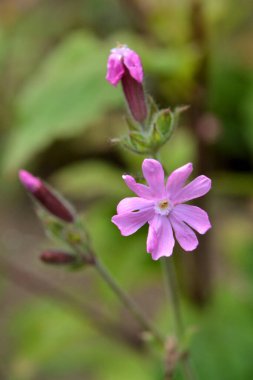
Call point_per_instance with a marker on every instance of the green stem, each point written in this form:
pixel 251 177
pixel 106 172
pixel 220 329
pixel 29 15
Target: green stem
pixel 128 302
pixel 85 252
pixel 172 292
pixel 170 281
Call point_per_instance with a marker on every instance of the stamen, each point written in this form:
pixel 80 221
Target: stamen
pixel 163 207
pixel 163 204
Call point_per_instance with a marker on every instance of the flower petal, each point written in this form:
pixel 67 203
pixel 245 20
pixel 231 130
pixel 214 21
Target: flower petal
pixel 115 69
pixel 160 241
pixel 195 189
pixel 152 237
pixel 177 179
pixel 133 204
pixel 194 216
pixel 130 222
pixel 141 190
pixel 154 175
pixel 133 63
pixel 184 234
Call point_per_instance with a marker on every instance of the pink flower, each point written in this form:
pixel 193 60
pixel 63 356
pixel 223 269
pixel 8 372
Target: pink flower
pixel 122 60
pixel 163 207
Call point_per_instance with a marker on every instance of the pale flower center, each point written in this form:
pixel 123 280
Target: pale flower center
pixel 163 207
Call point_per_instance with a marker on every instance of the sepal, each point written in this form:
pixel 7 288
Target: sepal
pixel 149 140
pixel 73 236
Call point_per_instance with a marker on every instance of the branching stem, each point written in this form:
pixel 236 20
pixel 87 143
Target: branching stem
pixel 128 302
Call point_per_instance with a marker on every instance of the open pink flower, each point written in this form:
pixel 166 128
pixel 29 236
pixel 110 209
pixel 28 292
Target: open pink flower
pixel 123 60
pixel 162 206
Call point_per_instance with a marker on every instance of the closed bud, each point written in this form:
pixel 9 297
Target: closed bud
pixel 57 257
pixel 47 197
pixel 135 97
pixel 125 65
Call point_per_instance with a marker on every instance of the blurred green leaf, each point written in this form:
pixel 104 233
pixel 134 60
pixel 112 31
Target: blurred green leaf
pixel 3 45
pixel 67 93
pixel 90 179
pixel 224 340
pixel 42 332
pixel 52 343
pixel 180 149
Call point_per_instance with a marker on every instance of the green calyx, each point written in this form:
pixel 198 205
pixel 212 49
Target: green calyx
pixel 158 129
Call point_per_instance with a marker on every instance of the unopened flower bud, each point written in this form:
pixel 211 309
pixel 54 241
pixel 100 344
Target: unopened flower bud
pixel 51 201
pixel 57 257
pixel 125 65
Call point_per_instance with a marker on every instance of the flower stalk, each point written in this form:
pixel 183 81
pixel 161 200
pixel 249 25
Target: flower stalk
pixel 171 287
pixel 128 302
pixel 76 237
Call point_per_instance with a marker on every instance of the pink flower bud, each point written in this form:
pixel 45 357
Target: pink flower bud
pixel 46 196
pixel 125 65
pixel 31 183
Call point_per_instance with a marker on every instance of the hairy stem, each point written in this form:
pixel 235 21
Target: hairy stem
pixel 128 302
pixel 171 287
pixel 172 292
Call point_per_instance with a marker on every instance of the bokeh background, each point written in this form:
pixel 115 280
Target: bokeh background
pixel 57 115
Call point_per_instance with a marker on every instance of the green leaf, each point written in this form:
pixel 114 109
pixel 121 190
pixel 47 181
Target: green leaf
pixel 67 93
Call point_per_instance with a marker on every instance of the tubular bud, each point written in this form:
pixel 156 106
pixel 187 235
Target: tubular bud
pixel 135 97
pixel 47 197
pixel 125 65
pixel 57 257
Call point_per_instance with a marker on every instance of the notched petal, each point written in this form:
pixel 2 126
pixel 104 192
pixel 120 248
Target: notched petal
pixel 177 179
pixel 139 189
pixel 195 189
pixel 115 69
pixel 154 174
pixel 194 216
pixel 184 234
pixel 133 63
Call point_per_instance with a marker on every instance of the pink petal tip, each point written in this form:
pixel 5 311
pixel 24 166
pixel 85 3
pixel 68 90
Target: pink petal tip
pixel 30 182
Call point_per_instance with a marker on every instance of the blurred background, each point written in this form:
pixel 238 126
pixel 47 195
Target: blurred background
pixel 57 115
